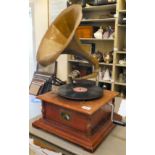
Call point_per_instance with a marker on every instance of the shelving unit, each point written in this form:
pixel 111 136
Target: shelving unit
pixel 120 48
pixel 117 45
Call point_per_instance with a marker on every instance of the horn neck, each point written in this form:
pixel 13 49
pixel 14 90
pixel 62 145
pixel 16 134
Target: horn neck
pixel 75 48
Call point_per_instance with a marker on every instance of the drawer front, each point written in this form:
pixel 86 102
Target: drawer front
pixel 66 117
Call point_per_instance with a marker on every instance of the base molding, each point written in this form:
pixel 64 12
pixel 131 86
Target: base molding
pixel 89 143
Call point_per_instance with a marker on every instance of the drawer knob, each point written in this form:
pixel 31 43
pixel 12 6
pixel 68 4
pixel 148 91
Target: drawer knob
pixel 65 116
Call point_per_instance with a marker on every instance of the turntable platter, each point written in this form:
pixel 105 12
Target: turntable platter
pixel 80 91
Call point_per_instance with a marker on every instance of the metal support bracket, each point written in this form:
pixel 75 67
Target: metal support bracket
pixel 121 123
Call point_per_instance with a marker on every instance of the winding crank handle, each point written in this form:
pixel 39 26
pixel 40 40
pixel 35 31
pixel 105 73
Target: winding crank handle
pixel 121 123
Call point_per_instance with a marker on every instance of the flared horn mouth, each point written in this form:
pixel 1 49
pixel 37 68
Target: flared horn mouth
pixel 59 35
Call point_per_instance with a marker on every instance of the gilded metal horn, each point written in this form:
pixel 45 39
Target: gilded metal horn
pixel 60 38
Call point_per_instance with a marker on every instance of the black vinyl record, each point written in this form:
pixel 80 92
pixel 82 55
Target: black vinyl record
pixel 80 91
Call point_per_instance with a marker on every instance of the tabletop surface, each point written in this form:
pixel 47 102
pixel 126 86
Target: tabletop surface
pixel 86 107
pixel 114 144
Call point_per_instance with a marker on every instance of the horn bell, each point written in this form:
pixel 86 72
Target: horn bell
pixel 60 38
pixel 59 35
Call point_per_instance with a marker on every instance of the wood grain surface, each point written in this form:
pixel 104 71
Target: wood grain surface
pixel 89 143
pixel 53 98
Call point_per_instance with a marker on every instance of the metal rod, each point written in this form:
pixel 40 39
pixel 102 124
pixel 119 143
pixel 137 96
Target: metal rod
pixel 121 123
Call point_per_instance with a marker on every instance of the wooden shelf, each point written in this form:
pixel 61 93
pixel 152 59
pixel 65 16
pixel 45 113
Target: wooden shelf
pixel 110 82
pixel 122 26
pixel 100 8
pixel 121 84
pixel 103 81
pixel 94 39
pixel 79 61
pixel 86 62
pixel 98 20
pixel 122 11
pixel 103 63
pixel 121 52
pixel 119 65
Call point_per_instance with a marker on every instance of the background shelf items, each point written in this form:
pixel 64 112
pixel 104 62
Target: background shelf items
pixel 104 16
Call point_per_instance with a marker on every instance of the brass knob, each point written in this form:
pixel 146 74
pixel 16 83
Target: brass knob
pixel 65 116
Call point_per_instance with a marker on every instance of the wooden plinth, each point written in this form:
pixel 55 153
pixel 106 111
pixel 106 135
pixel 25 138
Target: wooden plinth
pixel 70 120
pixel 89 143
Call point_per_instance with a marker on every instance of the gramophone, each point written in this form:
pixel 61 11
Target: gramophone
pixel 79 112
pixel 61 39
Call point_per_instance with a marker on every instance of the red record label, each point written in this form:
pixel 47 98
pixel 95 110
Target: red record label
pixel 80 89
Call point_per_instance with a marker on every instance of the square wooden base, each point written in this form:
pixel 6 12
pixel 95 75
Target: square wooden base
pixel 88 142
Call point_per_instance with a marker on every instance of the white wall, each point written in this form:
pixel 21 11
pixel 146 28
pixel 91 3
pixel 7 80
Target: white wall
pixel 40 26
pixel 39 9
pixel 40 20
pixel 45 11
pixel 31 48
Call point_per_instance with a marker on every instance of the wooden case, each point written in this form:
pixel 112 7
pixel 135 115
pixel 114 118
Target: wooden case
pixel 85 123
pixel 85 32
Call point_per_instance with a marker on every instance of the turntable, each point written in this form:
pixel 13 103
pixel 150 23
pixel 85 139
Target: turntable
pixel 79 112
pixel 80 91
